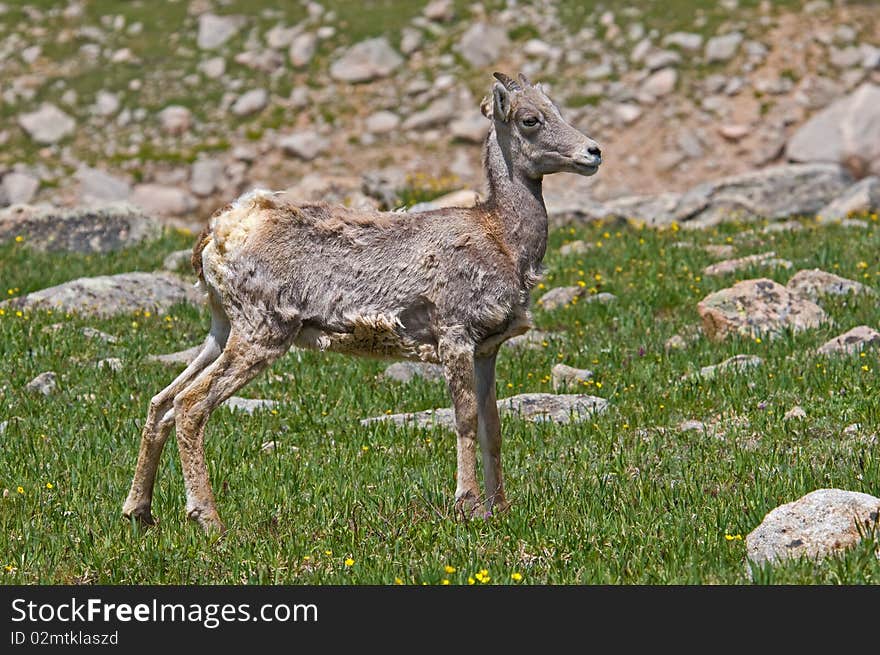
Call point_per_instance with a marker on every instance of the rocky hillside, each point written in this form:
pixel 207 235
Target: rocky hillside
pixel 179 108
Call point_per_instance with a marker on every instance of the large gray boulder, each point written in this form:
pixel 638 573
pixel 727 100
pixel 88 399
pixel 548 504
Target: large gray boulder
pixel 537 407
pixel 80 229
pixel 847 131
pixel 110 295
pixel 819 524
pixel 366 61
pixel 777 192
pixel 754 308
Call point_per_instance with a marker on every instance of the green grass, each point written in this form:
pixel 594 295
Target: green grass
pixel 625 498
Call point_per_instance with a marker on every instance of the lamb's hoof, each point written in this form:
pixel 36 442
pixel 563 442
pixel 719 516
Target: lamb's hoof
pixel 209 520
pixel 139 512
pixel 468 505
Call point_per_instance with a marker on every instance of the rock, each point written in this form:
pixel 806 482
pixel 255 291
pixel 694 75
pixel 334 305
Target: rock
pixel 796 413
pixel 559 297
pixel 719 249
pixel 815 283
pixel 280 36
pixel 206 176
pixel 736 364
pixel 660 59
pixel 851 342
pixel 111 363
pixel 688 41
pixel 482 44
pixel 470 129
pixel 99 186
pixel 767 259
pixel 106 103
pixel 47 125
pixel 722 48
pixel 175 119
pixel 536 407
pixel 249 405
pixel 568 377
pixel 366 61
pixel 823 522
pixel 19 188
pixel 675 342
pixel 437 114
pixel 110 295
pixel 734 131
pixel 407 371
pixel 214 30
pixel 778 191
pixel 440 11
pixel 576 247
pixel 755 308
pixel 177 259
pixel 863 197
pixel 411 40
pixel 92 333
pixel 627 112
pixel 213 68
pixel 162 200
pixel 184 357
pixel 302 49
pixel 266 61
pixel 461 198
pixel 251 102
pixel 382 122
pixel 45 383
pixel 847 131
pixel 305 145
pixel 845 57
pixel 533 340
pixel 660 83
pixel 690 144
pixel 79 229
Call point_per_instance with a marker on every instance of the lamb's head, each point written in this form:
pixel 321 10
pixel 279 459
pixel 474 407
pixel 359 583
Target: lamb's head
pixel 532 133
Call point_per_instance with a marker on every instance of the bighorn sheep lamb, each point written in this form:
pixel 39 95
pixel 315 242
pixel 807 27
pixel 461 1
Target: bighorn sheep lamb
pixel 446 286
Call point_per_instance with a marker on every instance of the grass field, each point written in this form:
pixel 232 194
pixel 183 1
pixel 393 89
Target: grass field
pixel 625 498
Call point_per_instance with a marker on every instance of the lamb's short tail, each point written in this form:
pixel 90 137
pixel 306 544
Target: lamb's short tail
pixel 199 246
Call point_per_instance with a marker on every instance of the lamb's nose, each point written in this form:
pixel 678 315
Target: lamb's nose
pixel 594 150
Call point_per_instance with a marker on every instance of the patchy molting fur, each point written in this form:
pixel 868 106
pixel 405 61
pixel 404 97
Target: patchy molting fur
pixel 447 286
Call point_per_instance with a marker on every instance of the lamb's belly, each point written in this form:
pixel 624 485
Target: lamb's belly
pixel 367 341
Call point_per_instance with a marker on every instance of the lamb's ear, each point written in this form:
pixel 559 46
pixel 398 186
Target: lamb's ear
pixel 486 107
pixel 501 105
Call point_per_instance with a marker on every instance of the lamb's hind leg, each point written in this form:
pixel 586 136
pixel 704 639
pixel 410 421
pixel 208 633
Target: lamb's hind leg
pixel 489 432
pixel 244 357
pixel 160 418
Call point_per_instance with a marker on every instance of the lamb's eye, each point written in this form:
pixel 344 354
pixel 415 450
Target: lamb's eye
pixel 530 121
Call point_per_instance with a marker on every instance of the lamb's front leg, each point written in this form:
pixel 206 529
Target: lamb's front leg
pixel 457 355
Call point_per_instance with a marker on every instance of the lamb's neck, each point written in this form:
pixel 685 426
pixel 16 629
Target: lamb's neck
pixel 518 201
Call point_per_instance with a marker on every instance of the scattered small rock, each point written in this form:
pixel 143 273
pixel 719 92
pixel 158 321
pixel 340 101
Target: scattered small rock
pixel 249 405
pixel 754 308
pixel 111 363
pixel 175 119
pixel 19 188
pixel 302 49
pixel 536 407
pixel 568 377
pixel 184 357
pixel 92 333
pixel 722 48
pixel 48 124
pixel 251 102
pixel 767 259
pixel 814 283
pixel 737 363
pixel 382 122
pixel 45 383
pixel 577 247
pixel 408 371
pixel 559 297
pixel 851 342
pixel 533 340
pixel 305 145
pixel 162 200
pixel 482 44
pixel 796 413
pixel 366 61
pixel 819 524
pixel 215 30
